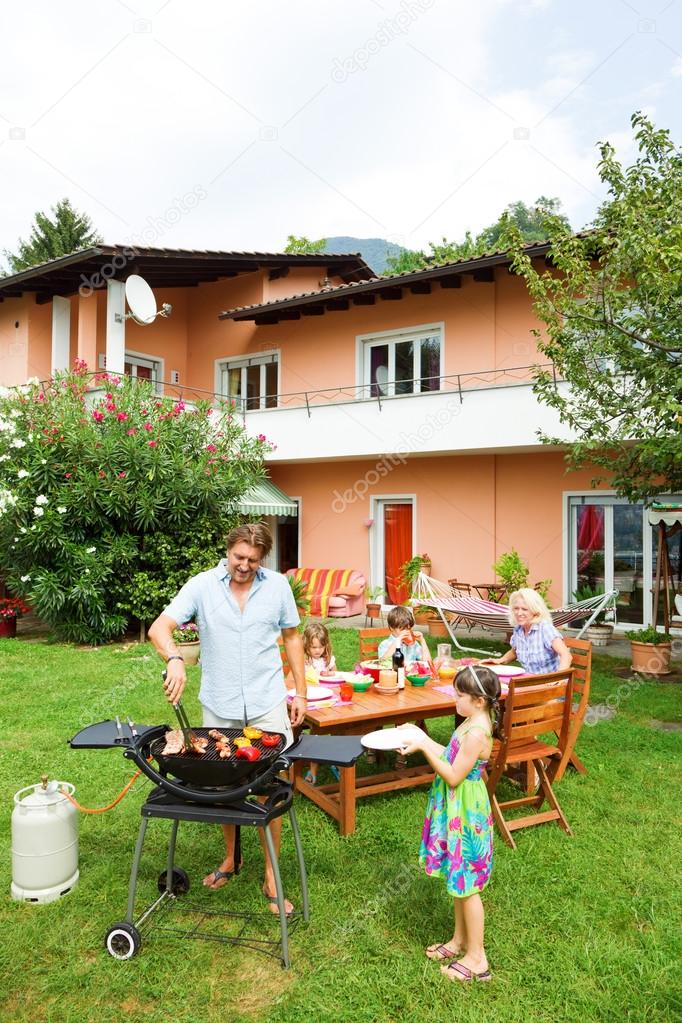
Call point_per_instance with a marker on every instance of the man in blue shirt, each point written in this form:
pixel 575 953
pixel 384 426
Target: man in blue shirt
pixel 240 610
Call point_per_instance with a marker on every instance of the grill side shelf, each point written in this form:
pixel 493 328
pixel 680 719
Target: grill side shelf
pixel 105 735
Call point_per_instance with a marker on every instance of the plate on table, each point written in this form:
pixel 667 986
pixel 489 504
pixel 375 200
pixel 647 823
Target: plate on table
pixel 388 738
pixel 332 680
pixel 316 694
pixel 505 670
pixel 385 689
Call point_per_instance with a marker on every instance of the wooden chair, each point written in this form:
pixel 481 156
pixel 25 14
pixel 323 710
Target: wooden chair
pixel 581 651
pixel 369 642
pixel 535 705
pixel 460 590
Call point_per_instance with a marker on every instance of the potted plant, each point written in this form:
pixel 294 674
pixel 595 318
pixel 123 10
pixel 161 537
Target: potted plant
pixel 422 614
pixel 426 563
pixel 600 631
pixel 373 604
pixel 651 651
pixel 187 638
pixel 411 569
pixel 11 608
pixel 512 571
pixel 299 590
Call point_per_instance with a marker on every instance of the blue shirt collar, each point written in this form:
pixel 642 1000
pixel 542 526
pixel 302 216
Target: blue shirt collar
pixel 222 573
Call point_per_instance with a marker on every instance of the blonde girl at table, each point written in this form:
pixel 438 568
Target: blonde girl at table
pixel 317 651
pixel 536 643
pixel 457 837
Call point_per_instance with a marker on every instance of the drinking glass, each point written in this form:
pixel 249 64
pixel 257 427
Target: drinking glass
pixel 346 692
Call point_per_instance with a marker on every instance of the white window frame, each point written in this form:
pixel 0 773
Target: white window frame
pixel 365 342
pixel 156 363
pixel 223 365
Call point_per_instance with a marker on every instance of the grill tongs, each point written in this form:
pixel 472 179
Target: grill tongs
pixel 187 734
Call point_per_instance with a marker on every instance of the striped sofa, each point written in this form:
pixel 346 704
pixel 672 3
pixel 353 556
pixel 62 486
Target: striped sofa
pixel 333 592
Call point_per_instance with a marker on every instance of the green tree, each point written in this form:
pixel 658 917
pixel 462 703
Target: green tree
pixel 611 304
pixel 109 500
pixel 528 219
pixel 300 246
pixel 65 232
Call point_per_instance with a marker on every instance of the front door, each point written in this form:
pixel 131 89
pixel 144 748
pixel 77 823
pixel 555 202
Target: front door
pixel 394 545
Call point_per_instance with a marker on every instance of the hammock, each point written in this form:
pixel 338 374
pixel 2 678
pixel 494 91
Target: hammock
pixel 490 615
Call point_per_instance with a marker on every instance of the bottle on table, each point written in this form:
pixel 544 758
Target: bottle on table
pixel 399 667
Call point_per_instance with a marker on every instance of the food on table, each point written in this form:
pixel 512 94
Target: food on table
pixel 248 753
pixel 241 742
pixel 270 740
pixel 252 733
pixel 175 742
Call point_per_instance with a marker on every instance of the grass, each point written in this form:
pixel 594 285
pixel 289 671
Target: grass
pixel 577 928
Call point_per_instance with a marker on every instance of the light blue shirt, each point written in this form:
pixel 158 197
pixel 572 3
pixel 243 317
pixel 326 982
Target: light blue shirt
pixel 241 668
pixel 411 651
pixel 534 649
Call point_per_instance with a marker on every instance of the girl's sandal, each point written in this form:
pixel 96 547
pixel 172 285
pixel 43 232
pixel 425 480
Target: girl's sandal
pixel 440 952
pixel 457 971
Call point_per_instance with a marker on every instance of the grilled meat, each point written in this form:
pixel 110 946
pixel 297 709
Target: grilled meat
pixel 175 742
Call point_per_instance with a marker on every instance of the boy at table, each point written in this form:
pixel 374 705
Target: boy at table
pixel 404 635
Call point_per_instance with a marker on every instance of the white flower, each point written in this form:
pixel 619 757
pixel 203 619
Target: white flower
pixel 7 426
pixel 91 550
pixel 7 500
pixel 43 461
pixel 22 529
pixel 22 474
pixel 38 512
pixel 4 458
pixel 25 578
pixel 31 381
pixel 30 436
pixel 87 570
pixel 61 509
pixel 41 499
pixel 18 443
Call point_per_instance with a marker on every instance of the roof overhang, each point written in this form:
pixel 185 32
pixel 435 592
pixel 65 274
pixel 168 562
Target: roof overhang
pixel 267 499
pixel 166 268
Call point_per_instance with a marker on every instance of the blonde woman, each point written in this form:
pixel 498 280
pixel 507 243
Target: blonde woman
pixel 535 642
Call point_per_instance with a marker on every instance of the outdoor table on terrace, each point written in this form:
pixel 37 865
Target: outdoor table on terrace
pixel 367 712
pixel 490 591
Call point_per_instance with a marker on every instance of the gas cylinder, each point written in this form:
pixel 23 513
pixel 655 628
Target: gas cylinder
pixel 44 842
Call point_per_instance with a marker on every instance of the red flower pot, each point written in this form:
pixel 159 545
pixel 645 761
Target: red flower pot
pixel 8 628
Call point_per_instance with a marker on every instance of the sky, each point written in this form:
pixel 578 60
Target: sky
pixel 223 125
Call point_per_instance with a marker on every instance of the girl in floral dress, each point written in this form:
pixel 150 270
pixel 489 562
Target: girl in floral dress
pixel 457 839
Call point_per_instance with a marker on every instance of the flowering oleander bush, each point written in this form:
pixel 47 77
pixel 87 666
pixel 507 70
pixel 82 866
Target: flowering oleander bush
pixel 107 496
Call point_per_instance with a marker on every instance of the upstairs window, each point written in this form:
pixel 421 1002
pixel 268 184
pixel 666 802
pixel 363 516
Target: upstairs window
pixel 252 382
pixel 405 362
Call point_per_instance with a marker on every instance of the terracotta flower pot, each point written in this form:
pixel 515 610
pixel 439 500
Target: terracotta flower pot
pixel 8 628
pixel 190 652
pixel 437 627
pixel 651 658
pixel 373 610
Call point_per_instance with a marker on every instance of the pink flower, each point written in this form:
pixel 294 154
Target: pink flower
pixel 98 416
pixel 179 407
pixel 80 364
pixel 122 475
pixel 211 447
pixel 67 475
pixel 110 406
pixel 147 426
pixel 101 474
pixel 121 416
pixel 109 397
pixel 152 443
pixel 261 437
pixel 131 432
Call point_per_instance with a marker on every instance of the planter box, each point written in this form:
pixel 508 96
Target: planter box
pixel 8 628
pixel 651 658
pixel 599 635
pixel 190 652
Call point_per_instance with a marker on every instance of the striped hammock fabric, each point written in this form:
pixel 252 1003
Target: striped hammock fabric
pixel 322 583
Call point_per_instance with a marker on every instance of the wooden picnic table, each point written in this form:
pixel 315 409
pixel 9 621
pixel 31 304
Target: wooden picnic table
pixel 367 712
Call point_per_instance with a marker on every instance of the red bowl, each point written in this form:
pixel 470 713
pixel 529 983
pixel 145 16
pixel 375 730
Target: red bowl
pixel 370 668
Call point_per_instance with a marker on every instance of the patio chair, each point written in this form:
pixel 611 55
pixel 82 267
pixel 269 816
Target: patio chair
pixel 535 705
pixel 581 651
pixel 369 642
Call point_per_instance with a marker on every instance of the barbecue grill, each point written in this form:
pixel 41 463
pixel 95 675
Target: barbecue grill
pixel 208 789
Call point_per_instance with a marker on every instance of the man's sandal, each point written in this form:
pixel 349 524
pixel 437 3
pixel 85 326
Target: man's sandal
pixel 218 875
pixel 462 973
pixel 272 899
pixel 439 952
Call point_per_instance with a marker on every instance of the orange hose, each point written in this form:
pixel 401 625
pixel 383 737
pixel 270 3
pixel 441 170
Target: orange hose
pixel 103 809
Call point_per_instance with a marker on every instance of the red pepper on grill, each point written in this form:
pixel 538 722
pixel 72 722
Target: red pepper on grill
pixel 270 740
pixel 247 753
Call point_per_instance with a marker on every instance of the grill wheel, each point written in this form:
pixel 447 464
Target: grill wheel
pixel 123 941
pixel 179 882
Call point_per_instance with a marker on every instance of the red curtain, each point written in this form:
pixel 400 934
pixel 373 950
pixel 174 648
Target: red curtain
pixel 397 549
pixel 590 533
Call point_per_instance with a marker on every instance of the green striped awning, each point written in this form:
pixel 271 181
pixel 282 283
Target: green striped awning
pixel 267 499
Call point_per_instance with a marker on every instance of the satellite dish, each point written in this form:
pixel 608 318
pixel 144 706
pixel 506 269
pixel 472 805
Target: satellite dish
pixel 381 378
pixel 141 302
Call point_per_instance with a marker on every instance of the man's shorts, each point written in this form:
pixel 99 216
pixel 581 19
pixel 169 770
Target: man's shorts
pixel 274 720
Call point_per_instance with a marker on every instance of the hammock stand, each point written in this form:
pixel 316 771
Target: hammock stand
pixel 489 615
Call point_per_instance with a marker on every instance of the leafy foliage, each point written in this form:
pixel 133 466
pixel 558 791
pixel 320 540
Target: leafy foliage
pixel 110 499
pixel 65 232
pixel 513 571
pixel 302 245
pixel 612 308
pixel 529 221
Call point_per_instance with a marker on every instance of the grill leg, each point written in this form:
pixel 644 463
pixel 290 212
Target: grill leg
pixel 284 931
pixel 171 856
pixel 137 856
pixel 301 862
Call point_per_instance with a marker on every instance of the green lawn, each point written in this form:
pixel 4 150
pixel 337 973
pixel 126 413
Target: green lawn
pixel 584 928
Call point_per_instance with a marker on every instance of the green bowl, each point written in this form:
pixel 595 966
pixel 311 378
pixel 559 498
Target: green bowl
pixel 418 680
pixel 361 685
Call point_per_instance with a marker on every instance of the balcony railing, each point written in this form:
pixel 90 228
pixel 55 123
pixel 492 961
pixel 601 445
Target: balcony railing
pixel 456 383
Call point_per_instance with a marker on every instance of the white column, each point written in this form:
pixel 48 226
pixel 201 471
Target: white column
pixel 116 327
pixel 61 333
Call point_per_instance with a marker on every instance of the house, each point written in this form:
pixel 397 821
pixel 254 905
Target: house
pixel 401 408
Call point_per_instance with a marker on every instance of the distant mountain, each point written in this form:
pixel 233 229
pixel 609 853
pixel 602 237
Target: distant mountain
pixel 374 251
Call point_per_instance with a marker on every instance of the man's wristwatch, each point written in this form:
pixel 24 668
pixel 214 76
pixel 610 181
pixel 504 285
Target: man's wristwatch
pixel 175 657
